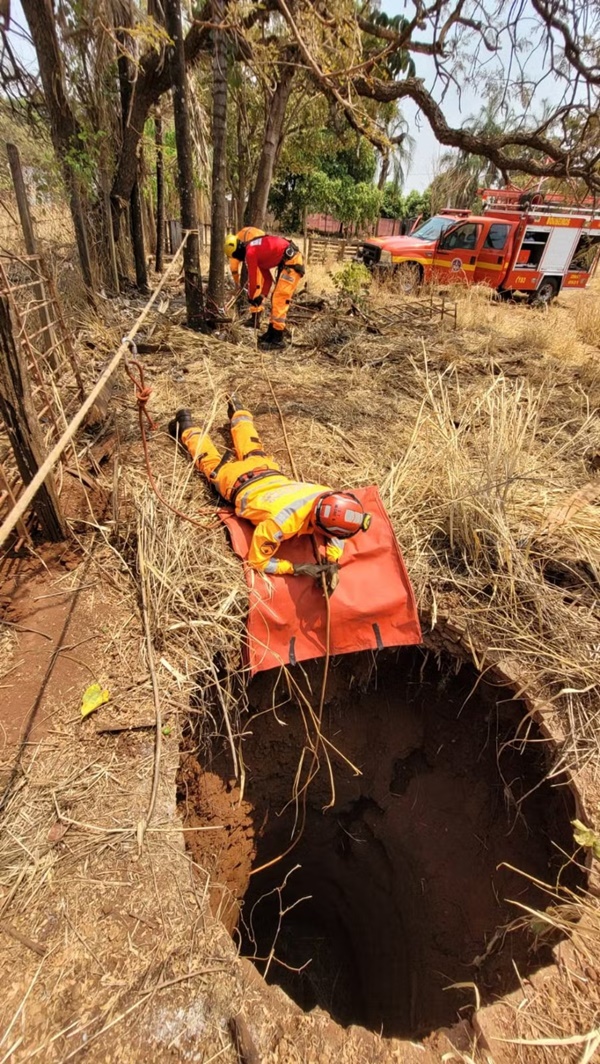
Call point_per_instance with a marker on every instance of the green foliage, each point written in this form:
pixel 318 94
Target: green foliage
pixel 395 205
pixel 352 202
pixel 417 203
pixel 392 204
pixel 357 203
pixel 357 162
pixel 83 155
pixel 398 62
pixel 353 280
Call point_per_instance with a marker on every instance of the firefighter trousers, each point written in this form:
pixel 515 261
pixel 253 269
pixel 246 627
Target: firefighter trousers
pixel 223 470
pixel 287 283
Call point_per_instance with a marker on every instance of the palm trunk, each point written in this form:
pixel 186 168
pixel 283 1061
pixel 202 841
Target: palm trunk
pixel 216 277
pixel 383 174
pixel 135 202
pixel 160 192
pixel 194 299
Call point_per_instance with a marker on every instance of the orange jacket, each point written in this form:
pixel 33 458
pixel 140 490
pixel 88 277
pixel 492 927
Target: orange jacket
pixel 249 232
pixel 280 508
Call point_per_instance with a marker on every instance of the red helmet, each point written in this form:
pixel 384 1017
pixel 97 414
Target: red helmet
pixel 339 513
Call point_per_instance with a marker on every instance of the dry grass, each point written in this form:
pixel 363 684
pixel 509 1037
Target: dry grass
pixel 476 437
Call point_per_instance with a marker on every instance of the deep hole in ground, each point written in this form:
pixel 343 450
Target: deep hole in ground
pixel 404 882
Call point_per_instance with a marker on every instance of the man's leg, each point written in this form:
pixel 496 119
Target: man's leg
pixel 202 449
pixel 245 436
pixel 287 283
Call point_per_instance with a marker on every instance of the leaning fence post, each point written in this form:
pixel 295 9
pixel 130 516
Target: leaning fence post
pixel 47 337
pixel 20 420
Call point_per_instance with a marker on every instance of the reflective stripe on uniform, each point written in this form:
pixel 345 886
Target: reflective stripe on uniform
pixel 237 418
pixel 271 566
pixel 293 506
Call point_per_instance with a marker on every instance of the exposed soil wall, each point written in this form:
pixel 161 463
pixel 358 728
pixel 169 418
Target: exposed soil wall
pixel 405 882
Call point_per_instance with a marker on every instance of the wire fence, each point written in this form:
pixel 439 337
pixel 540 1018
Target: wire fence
pixel 53 387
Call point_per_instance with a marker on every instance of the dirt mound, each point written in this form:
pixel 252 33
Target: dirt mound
pixel 407 884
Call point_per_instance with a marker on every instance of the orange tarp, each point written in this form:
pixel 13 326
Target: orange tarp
pixel 373 605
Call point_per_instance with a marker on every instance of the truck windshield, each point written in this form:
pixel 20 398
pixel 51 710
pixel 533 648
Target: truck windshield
pixel 433 228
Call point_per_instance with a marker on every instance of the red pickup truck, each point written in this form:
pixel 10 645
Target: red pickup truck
pixel 514 246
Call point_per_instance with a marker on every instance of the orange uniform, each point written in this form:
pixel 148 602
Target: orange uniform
pixel 279 507
pixel 266 253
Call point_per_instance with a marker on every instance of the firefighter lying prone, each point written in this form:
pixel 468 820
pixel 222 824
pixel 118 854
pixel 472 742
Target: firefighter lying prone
pixel 280 508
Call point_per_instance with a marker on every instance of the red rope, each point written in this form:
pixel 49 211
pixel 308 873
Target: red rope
pixel 143 392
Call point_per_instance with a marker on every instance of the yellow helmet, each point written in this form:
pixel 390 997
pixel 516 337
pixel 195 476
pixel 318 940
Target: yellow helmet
pixel 231 242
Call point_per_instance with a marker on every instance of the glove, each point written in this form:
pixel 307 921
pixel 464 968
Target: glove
pixel 332 576
pixel 256 302
pixel 309 569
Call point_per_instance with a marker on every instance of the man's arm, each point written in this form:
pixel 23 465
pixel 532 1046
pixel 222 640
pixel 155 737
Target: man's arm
pixel 265 543
pixel 251 264
pixel 234 266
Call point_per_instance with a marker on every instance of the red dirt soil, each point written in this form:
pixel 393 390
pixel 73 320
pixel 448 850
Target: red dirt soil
pixel 42 605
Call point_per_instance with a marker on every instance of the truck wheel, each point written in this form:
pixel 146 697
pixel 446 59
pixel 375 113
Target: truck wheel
pixel 544 294
pixel 408 277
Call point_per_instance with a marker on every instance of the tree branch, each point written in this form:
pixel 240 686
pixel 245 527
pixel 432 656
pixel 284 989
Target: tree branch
pixel 557 161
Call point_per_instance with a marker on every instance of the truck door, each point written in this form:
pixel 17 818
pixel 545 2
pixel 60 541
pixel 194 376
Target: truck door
pixel 490 257
pixel 456 253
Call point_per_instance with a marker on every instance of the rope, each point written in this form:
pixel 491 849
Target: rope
pixel 143 824
pixel 318 716
pixel 143 392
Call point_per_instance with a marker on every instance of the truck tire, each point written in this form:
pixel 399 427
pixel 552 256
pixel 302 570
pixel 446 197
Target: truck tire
pixel 545 292
pixel 408 276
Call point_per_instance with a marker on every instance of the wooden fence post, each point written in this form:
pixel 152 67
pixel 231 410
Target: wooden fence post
pixel 16 408
pixel 47 335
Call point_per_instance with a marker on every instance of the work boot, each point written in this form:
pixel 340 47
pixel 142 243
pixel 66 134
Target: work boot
pixel 233 405
pixel 272 338
pixel 182 421
pixel 253 322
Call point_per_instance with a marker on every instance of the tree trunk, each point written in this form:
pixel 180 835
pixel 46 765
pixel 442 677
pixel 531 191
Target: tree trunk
pixel 256 210
pixel 137 239
pixel 135 201
pixel 64 129
pixel 160 192
pixel 215 295
pixel 194 299
pixel 153 79
pixel 242 168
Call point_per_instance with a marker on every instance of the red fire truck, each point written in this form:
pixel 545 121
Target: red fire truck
pixel 532 243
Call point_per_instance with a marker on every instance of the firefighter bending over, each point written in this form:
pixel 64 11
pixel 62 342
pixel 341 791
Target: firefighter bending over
pixel 239 271
pixel 261 255
pixel 280 508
